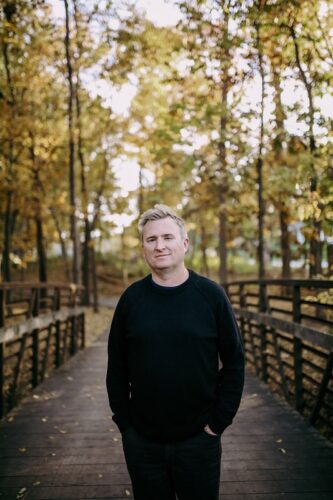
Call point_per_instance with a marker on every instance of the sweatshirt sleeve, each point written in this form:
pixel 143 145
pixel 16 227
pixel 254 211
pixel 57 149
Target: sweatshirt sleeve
pixel 117 383
pixel 231 374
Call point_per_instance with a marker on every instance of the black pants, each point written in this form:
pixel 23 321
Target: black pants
pixel 183 470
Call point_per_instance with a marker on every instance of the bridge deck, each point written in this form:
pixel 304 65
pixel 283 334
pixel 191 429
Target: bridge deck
pixel 61 443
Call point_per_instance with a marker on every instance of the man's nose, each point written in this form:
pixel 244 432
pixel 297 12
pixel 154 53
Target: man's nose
pixel 159 244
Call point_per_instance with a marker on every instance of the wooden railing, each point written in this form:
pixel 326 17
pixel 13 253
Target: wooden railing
pixel 41 326
pixel 287 327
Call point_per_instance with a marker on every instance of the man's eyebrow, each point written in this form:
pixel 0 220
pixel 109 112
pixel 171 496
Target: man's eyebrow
pixel 155 236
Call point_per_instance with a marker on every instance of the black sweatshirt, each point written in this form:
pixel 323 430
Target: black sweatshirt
pixel 163 373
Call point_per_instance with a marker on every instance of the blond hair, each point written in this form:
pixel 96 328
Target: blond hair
pixel 161 212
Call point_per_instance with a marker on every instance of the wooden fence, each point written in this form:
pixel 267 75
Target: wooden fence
pixel 287 327
pixel 41 326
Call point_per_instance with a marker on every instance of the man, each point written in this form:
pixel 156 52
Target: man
pixel 169 398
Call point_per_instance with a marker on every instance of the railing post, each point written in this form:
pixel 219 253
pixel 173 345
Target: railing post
pixel 73 335
pixel 297 350
pixel 35 343
pixel 2 307
pixel 2 356
pixel 73 323
pixel 242 296
pixel 242 305
pixel 262 329
pixel 2 381
pixel 56 306
pixel 83 331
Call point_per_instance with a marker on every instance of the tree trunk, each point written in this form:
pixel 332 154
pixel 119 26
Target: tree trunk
pixel 261 207
pixel 6 271
pixel 203 246
pixel 86 262
pixel 36 199
pixel 285 241
pixel 224 187
pixel 94 278
pixel 315 257
pixel 8 223
pixel 329 259
pixel 42 265
pixel 73 221
pixel 223 272
pixel 140 193
pixel 284 212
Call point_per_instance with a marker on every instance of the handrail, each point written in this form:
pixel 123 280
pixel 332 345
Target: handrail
pixel 41 326
pixel 285 282
pixel 287 327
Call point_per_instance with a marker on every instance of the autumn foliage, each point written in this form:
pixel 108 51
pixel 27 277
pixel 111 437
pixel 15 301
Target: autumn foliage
pixel 229 121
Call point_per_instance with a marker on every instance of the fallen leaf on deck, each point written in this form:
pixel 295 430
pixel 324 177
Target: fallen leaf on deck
pixel 70 378
pixel 62 431
pixel 128 493
pixel 44 419
pixel 36 483
pixel 53 454
pixel 21 493
pixel 282 450
pixel 22 450
pixel 100 475
pixel 278 441
pixel 35 396
pixel 115 439
pixel 10 419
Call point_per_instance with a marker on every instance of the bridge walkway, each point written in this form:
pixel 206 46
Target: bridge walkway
pixel 60 443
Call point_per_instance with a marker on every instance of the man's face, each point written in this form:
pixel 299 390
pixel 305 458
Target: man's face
pixel 163 245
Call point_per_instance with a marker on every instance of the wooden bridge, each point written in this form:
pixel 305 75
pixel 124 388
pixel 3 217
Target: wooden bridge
pixel 59 442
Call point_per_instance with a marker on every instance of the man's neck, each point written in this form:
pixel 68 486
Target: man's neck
pixel 166 277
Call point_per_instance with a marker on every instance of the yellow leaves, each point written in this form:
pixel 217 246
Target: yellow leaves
pixel 61 431
pixel 131 241
pixel 312 209
pixel 36 483
pixel 22 450
pixel 21 493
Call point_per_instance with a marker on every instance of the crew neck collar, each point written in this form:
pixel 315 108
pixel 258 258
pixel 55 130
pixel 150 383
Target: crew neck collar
pixel 170 290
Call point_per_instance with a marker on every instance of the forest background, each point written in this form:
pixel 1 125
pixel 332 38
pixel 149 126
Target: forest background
pixel 228 119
